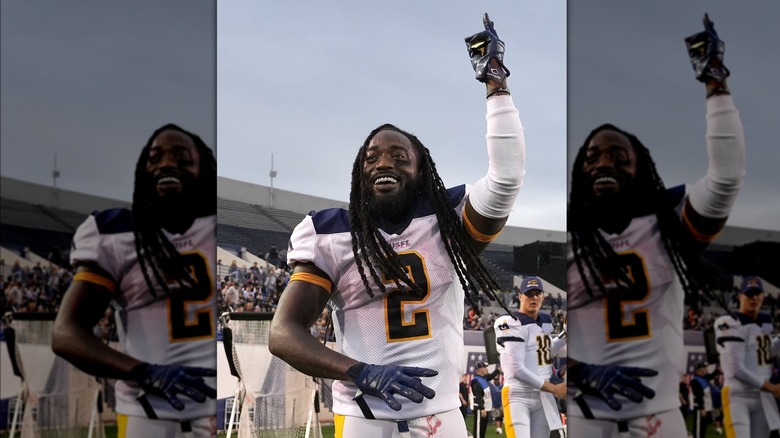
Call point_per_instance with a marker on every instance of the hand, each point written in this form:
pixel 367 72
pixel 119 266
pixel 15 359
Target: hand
pixel 167 381
pixel 604 381
pixel 483 413
pixel 483 47
pixel 706 52
pixel 385 381
pixel 559 390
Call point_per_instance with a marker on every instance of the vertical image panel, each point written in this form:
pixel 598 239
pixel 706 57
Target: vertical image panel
pixel 672 215
pixel 381 198
pixel 107 217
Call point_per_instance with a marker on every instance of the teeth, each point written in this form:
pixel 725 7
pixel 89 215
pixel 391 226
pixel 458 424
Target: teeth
pixel 385 179
pixel 606 179
pixel 168 179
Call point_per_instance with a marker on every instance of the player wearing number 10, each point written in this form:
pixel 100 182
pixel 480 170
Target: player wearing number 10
pixel 633 258
pixel 394 268
pixel 156 263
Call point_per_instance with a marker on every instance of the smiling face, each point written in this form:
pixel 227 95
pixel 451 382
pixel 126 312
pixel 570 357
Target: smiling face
pixel 610 164
pixel 173 165
pixel 390 174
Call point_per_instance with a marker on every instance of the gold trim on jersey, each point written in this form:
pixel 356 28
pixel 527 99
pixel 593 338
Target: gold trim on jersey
pixel 395 307
pixel 637 278
pixel 192 328
pixel 698 235
pixel 121 426
pixel 475 234
pixel 97 279
pixel 509 426
pixel 728 420
pixel 313 279
pixel 338 425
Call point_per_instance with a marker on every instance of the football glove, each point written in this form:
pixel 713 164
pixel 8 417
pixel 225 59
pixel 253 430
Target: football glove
pixel 484 46
pixel 167 381
pixel 705 50
pixel 385 381
pixel 604 381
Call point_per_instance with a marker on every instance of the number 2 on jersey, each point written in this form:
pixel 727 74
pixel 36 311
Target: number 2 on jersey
pixel 639 325
pixel 180 328
pixel 397 328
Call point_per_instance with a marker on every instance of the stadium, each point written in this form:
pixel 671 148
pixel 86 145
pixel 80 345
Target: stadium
pixel 254 225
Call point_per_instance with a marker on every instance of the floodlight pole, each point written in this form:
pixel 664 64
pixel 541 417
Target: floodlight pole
pixel 272 174
pixel 54 174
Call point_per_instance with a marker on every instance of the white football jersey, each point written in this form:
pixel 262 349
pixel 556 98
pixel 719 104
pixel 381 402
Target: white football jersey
pixel 172 329
pixel 745 343
pixel 642 328
pixel 525 343
pixel 398 327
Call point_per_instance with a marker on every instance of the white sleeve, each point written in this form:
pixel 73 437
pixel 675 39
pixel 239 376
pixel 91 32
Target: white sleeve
pixel 776 346
pixel 731 346
pixel 494 195
pixel 714 194
pixel 91 247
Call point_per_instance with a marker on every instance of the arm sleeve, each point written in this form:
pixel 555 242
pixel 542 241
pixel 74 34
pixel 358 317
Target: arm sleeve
pixel 494 195
pixel 731 347
pixel 513 362
pixel 714 194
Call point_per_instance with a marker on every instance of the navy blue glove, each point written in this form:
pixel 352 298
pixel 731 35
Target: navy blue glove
pixel 167 381
pixel 484 46
pixel 604 381
pixel 385 381
pixel 706 52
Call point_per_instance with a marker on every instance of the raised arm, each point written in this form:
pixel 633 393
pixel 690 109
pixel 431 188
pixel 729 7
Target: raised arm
pixel 493 196
pixel 712 197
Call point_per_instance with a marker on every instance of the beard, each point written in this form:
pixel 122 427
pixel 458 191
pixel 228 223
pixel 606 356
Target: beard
pixel 393 207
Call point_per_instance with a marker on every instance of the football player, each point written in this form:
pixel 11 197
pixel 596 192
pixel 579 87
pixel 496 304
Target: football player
pixel 746 353
pixel 394 268
pixel 156 263
pixel 632 257
pixel 526 353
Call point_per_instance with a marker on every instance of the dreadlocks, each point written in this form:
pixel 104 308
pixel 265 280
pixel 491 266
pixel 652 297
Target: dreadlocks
pixel 592 253
pixel 371 250
pixel 157 256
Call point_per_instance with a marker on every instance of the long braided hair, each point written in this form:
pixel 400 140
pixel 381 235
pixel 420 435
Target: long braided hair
pixel 594 255
pixel 374 253
pixel 157 256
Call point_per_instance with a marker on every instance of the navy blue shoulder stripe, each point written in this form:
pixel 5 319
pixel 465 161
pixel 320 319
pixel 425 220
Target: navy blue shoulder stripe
pixel 330 221
pixel 503 339
pixel 114 221
pixel 675 194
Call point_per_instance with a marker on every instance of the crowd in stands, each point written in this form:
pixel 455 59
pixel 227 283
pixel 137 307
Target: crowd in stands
pixel 553 304
pixel 36 289
pixel 702 315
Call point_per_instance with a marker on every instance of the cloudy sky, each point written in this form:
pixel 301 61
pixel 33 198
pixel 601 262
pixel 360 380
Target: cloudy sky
pixel 628 65
pixel 307 85
pixel 90 81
